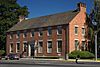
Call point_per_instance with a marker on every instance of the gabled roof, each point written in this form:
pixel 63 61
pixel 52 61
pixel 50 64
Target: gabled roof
pixel 44 21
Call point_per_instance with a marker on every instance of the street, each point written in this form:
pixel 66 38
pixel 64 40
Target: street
pixel 48 65
pixel 45 63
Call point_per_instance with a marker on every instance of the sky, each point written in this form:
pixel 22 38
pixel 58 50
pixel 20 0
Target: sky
pixel 38 8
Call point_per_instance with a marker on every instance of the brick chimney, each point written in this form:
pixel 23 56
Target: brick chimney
pixel 21 18
pixel 81 7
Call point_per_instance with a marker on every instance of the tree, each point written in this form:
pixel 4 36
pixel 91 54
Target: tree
pixel 10 11
pixel 94 17
pixel 97 8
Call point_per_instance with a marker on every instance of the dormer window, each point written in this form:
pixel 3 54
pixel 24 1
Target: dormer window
pixel 40 32
pixel 32 33
pixel 49 31
pixel 18 34
pixel 59 30
pixel 25 34
pixel 11 35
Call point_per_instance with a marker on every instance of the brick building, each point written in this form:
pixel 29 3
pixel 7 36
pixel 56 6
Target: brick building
pixel 52 35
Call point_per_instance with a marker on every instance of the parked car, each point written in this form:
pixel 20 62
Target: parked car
pixel 12 57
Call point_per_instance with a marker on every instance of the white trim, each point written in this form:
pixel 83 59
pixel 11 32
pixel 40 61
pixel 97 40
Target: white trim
pixel 49 28
pixel 11 42
pixel 29 50
pixel 83 26
pixel 39 33
pixel 17 46
pixel 18 42
pixel 47 47
pixel 82 31
pixel 11 48
pixel 24 41
pixel 76 39
pixel 40 40
pixel 39 51
pixel 10 36
pixel 49 40
pixel 76 26
pixel 57 31
pixel 57 45
pixel 31 34
pixel 59 39
pixel 77 29
pixel 83 40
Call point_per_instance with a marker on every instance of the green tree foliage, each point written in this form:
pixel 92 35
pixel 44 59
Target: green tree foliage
pixel 92 28
pixel 9 13
pixel 97 16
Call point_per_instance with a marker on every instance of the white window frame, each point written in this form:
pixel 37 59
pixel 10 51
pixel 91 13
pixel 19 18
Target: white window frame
pixel 39 33
pixel 59 27
pixel 84 46
pixel 11 36
pixel 25 32
pixel 11 48
pixel 49 28
pixel 75 44
pixel 17 46
pixel 57 45
pixel 31 34
pixel 47 47
pixel 76 26
pixel 82 30
pixel 38 46
pixel 18 34
pixel 23 45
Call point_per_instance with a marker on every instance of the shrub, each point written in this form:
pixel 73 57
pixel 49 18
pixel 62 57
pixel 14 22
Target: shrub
pixel 2 52
pixel 82 54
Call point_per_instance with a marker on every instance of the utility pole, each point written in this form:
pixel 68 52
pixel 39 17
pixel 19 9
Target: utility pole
pixel 95 21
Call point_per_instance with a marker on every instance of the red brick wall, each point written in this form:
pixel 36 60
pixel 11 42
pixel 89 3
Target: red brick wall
pixel 68 37
pixel 80 21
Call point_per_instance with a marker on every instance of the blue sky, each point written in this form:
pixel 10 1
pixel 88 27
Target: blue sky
pixel 46 7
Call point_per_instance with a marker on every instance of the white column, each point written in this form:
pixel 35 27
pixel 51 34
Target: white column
pixel 29 50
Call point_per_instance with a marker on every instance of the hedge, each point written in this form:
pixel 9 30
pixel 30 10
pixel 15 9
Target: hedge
pixel 82 54
pixel 2 52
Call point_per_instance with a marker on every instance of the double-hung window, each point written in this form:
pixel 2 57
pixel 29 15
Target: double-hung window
pixel 76 30
pixel 49 31
pixel 49 47
pixel 59 30
pixel 59 46
pixel 40 47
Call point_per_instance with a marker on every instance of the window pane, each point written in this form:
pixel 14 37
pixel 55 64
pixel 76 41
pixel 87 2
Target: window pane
pixel 76 44
pixel 83 31
pixel 18 34
pixel 49 31
pixel 25 47
pixel 49 47
pixel 18 47
pixel 32 33
pixel 11 47
pixel 40 47
pixel 25 34
pixel 59 47
pixel 59 30
pixel 11 35
pixel 76 30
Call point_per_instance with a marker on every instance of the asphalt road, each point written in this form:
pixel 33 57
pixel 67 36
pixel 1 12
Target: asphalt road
pixel 45 63
pixel 48 65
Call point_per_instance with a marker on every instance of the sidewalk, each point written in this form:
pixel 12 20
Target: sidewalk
pixel 69 60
